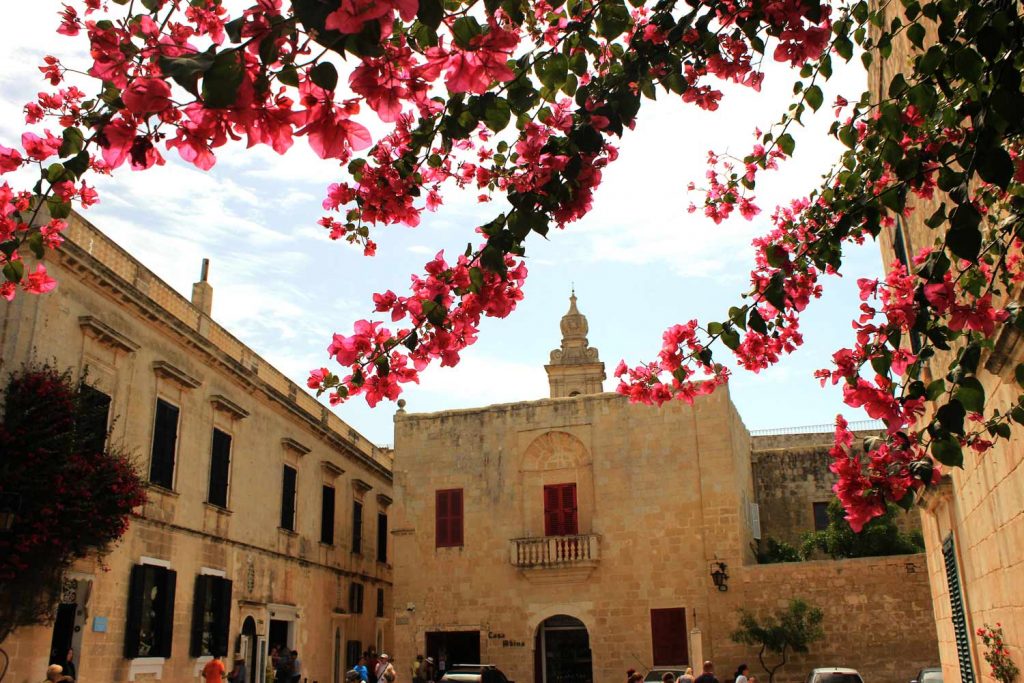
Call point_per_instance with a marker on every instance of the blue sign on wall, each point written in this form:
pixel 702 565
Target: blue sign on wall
pixel 99 624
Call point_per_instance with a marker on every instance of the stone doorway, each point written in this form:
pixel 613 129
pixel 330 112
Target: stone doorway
pixel 562 651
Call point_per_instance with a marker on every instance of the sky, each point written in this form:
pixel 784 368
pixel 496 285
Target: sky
pixel 639 261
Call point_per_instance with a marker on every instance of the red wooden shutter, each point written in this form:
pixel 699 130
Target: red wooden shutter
pixel 448 518
pixel 560 518
pixel 668 636
pixel 441 525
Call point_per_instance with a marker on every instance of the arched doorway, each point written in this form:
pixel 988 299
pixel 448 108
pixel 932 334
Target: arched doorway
pixel 248 649
pixel 562 651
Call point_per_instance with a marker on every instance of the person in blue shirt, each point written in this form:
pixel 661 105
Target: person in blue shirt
pixel 360 668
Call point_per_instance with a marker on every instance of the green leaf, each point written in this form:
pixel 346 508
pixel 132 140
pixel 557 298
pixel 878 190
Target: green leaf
pixel 786 144
pixel 995 166
pixel 971 394
pixel 947 451
pixel 757 323
pixel 14 270
pixel 814 97
pixel 730 338
pixel 289 76
pixel 553 71
pixel 430 13
pixel 73 142
pixel 951 417
pixel 969 64
pixel 1017 413
pixel 324 75
pixel 612 19
pixel 221 82
pixel 964 238
pixel 186 70
pixel 915 32
pixel 1018 373
pixel 935 390
pixel 464 30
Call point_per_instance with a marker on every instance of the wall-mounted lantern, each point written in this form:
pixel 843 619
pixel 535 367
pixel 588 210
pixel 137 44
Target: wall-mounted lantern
pixel 719 576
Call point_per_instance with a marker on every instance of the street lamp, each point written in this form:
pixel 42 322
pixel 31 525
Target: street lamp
pixel 719 576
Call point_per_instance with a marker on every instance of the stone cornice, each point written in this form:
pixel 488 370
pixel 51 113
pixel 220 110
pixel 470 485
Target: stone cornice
pixel 330 469
pixel 291 444
pixel 384 500
pixel 105 334
pixel 228 406
pixel 187 381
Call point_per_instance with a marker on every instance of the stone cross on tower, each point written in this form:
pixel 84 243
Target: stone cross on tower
pixel 575 368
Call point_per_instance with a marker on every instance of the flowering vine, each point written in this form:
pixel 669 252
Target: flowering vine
pixel 996 654
pixel 523 101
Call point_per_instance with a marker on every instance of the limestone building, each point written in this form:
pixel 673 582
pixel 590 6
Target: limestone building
pixel 572 538
pixel 267 516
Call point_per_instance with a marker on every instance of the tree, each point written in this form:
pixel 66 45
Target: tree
pixel 880 536
pixel 774 550
pixel 786 631
pixel 74 494
pixel 523 102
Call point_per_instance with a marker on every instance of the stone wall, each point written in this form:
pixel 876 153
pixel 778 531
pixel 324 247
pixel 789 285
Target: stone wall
pixel 791 473
pixel 878 616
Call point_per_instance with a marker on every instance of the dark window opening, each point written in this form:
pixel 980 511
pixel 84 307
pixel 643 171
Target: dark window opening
pixel 355 598
pixel 382 537
pixel 820 516
pixel 288 499
pixel 357 527
pixel 353 651
pixel 220 467
pixel 165 440
pixel 448 518
pixel 93 419
pixel 211 616
pixel 327 516
pixel 380 602
pixel 149 628
pixel 560 514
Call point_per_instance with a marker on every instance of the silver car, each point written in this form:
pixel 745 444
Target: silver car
pixel 474 673
pixel 834 674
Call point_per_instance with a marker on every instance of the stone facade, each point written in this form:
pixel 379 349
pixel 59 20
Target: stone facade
pixel 974 523
pixel 141 342
pixel 792 477
pixel 660 497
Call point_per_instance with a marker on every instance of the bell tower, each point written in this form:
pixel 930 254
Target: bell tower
pixel 575 368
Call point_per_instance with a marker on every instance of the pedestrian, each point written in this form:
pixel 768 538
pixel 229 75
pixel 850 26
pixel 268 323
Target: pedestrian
pixel 360 668
pixel 296 666
pixel 385 672
pixel 629 674
pixel 271 673
pixel 668 677
pixel 742 671
pixel 284 666
pixel 372 660
pixel 352 676
pixel 709 674
pixel 55 674
pixel 213 672
pixel 417 668
pixel 636 677
pixel 69 665
pixel 427 670
pixel 752 679
pixel 687 677
pixel 237 674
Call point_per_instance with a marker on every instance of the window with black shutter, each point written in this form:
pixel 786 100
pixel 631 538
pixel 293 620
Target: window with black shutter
pixel 357 527
pixel 165 440
pixel 327 516
pixel 956 602
pixel 211 616
pixel 382 537
pixel 93 419
pixel 355 598
pixel 288 499
pixel 380 602
pixel 353 651
pixel 220 466
pixel 149 628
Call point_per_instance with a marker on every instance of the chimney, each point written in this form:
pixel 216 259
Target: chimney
pixel 202 292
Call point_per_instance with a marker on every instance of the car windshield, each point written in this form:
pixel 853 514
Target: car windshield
pixel 837 677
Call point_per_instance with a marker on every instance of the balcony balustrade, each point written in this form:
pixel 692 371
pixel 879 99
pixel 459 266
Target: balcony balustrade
pixel 555 551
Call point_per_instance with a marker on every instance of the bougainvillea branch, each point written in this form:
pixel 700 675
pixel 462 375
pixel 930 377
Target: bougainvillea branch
pixel 523 102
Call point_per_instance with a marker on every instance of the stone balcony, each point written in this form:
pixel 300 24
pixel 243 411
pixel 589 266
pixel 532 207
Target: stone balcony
pixel 556 558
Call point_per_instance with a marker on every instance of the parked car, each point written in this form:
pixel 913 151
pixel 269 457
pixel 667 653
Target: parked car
pixel 932 674
pixel 474 673
pixel 657 674
pixel 834 674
